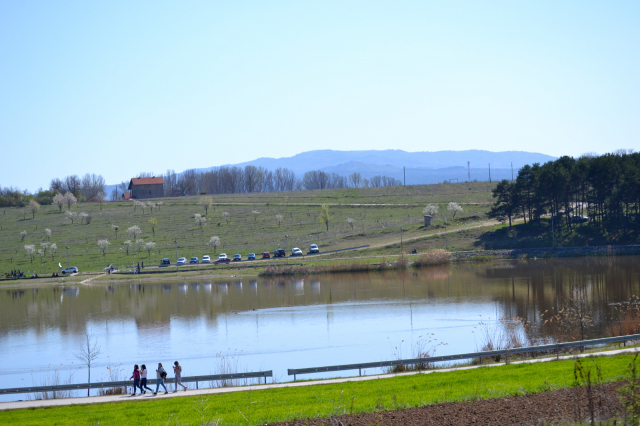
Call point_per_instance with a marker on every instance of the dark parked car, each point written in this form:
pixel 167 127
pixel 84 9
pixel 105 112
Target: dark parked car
pixel 266 255
pixel 279 253
pixel 165 262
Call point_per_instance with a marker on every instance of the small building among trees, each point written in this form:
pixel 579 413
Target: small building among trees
pixel 149 187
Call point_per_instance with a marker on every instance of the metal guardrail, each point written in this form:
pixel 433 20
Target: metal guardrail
pixel 125 383
pixel 487 354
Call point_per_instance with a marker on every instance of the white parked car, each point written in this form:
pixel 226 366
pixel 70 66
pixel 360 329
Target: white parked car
pixel 182 261
pixel 223 258
pixel 206 259
pixel 296 252
pixel 70 270
pixel 313 248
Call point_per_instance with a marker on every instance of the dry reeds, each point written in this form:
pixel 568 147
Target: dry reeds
pixel 431 258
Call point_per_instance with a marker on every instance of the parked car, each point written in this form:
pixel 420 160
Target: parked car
pixel 223 258
pixel 266 255
pixel 252 256
pixel 279 253
pixel 296 252
pixel 194 259
pixel 206 259
pixel 182 261
pixel 313 248
pixel 165 262
pixel 579 219
pixel 70 270
pixel 237 257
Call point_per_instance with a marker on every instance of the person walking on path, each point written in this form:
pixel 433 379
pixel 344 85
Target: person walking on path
pixel 136 380
pixel 161 374
pixel 177 370
pixel 143 380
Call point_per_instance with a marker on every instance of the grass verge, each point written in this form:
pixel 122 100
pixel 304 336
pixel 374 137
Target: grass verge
pixel 272 405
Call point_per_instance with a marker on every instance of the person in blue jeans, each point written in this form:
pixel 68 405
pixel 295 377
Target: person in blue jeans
pixel 160 375
pixel 136 380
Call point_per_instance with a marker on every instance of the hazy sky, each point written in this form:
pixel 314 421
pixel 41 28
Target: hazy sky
pixel 116 88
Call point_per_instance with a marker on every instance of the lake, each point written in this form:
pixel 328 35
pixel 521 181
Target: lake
pixel 253 324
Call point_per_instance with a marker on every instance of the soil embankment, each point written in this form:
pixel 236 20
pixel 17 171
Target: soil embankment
pixel 552 407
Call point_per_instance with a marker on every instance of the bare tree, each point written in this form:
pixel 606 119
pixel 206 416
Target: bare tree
pixel 31 250
pixel 351 221
pixel 225 217
pixel 71 215
pixel 279 218
pixel 89 352
pixel 325 217
pixel 255 214
pixel 455 208
pixel 214 242
pixel 115 229
pixel 149 246
pixel 103 245
pixel 52 250
pixel 70 199
pixel 33 207
pixel 200 221
pixel 355 180
pixel 47 232
pixel 134 232
pixel 127 246
pixel 430 210
pixel 100 197
pixel 59 201
pixel 23 235
pixel 206 202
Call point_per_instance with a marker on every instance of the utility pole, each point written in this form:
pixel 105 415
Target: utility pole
pixel 286 247
pixel 67 257
pixel 469 170
pixel 401 245
pixel 446 241
pixel 404 172
pixel 489 172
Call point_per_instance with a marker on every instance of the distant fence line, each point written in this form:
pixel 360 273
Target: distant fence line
pixel 487 354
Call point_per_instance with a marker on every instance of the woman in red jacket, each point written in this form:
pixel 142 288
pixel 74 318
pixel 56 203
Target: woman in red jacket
pixel 136 380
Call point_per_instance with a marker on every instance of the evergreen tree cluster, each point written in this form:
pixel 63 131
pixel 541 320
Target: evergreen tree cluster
pixel 603 191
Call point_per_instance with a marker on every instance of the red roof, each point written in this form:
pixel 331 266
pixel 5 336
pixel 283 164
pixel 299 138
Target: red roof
pixel 146 181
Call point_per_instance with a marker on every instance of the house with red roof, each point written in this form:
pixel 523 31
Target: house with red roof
pixel 149 187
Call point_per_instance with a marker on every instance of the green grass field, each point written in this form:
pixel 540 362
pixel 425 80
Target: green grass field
pixel 272 405
pixel 379 214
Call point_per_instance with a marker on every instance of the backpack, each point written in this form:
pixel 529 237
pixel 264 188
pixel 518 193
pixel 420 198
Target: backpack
pixel 163 375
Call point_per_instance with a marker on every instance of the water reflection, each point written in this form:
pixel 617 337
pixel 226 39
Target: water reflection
pixel 282 323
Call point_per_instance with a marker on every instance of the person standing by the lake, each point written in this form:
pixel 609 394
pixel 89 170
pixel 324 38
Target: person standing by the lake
pixel 161 374
pixel 143 379
pixel 177 370
pixel 136 380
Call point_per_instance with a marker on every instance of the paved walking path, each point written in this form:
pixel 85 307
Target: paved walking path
pixel 192 392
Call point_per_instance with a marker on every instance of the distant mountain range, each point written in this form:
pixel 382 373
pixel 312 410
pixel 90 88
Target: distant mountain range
pixel 421 167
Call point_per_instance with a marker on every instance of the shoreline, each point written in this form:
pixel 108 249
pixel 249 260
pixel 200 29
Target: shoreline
pixel 95 277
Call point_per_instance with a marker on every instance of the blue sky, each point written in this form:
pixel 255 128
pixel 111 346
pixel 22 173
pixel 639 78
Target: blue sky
pixel 116 88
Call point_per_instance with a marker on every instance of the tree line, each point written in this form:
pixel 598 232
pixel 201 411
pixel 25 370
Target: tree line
pixel 249 179
pixel 603 191
pixel 90 187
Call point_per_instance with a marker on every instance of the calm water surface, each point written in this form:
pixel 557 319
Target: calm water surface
pixel 275 324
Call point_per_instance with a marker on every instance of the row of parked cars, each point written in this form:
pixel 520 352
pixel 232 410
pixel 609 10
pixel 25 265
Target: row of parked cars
pixel 223 258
